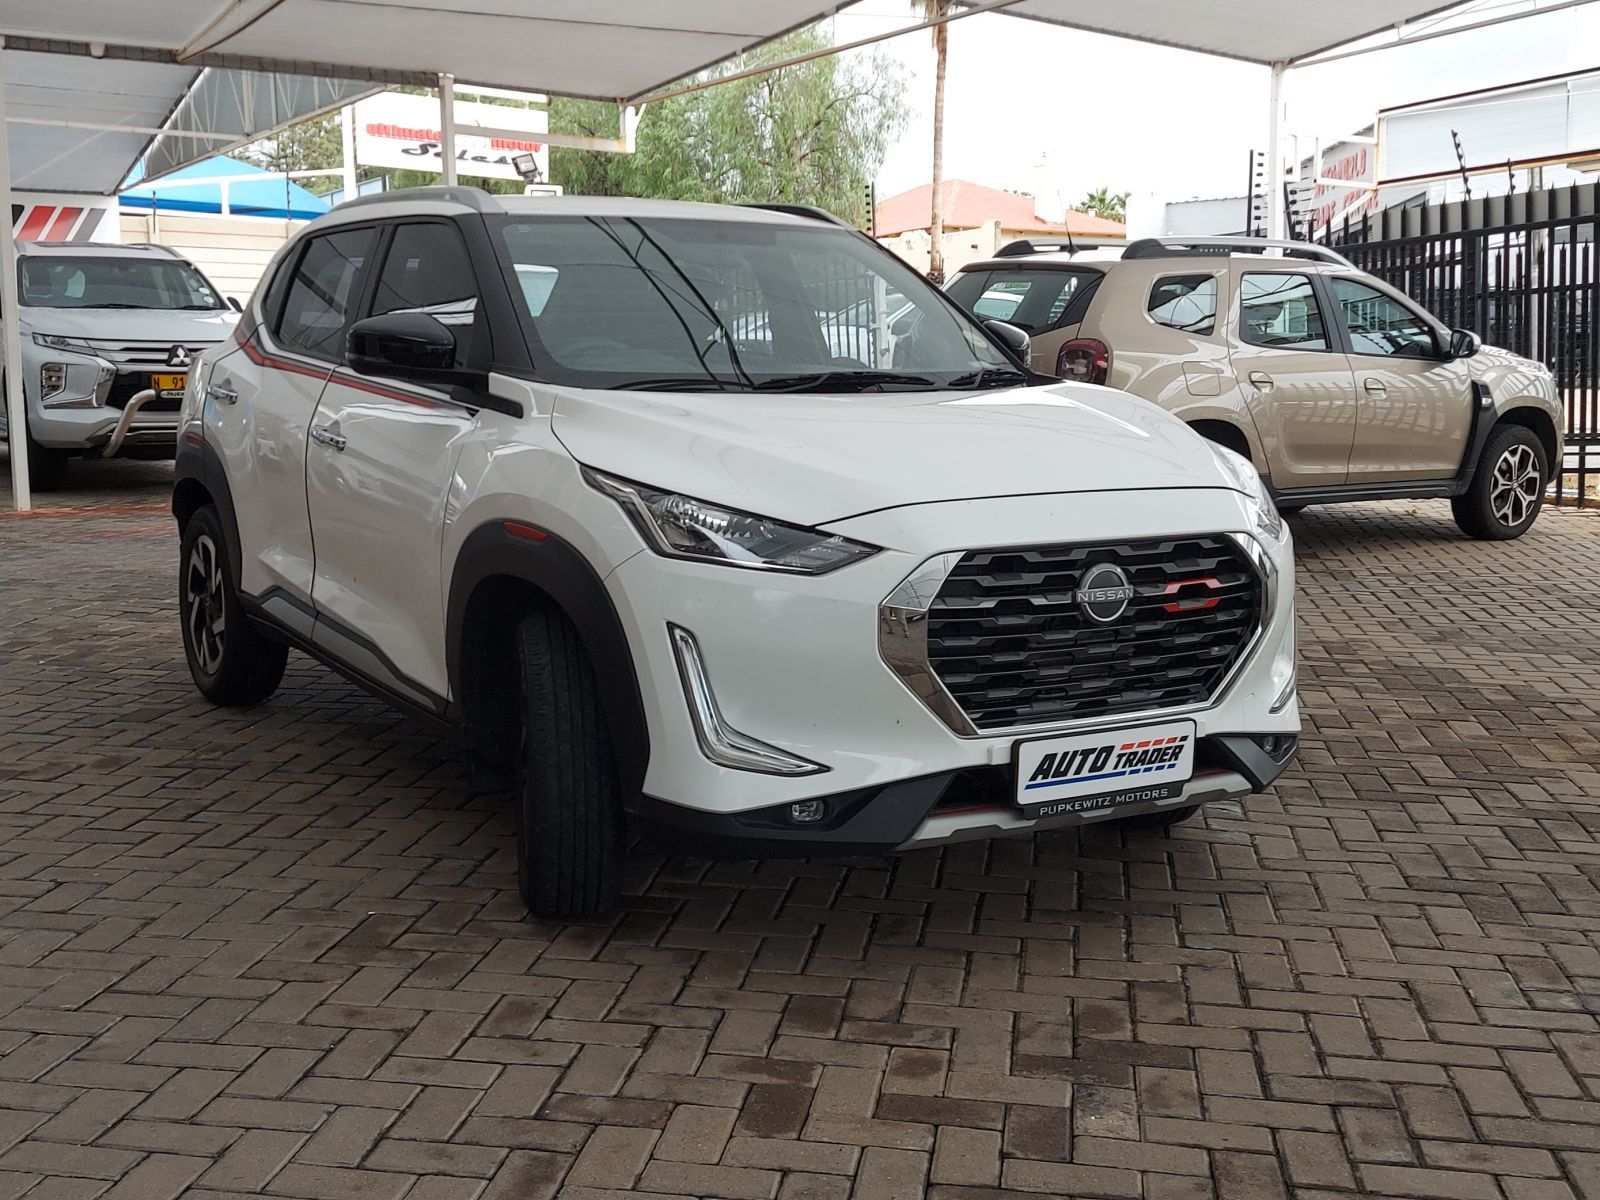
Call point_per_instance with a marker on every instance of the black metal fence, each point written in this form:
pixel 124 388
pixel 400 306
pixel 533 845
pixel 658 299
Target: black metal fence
pixel 1522 272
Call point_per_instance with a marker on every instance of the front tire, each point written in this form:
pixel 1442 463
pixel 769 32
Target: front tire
pixel 570 849
pixel 47 469
pixel 230 661
pixel 1507 487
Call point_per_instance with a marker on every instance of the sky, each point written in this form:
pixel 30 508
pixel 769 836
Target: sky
pixel 1162 123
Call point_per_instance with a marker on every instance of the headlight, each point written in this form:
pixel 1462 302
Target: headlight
pixel 682 527
pixel 1269 522
pixel 52 342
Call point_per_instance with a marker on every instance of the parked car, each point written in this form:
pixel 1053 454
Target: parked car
pixel 752 596
pixel 108 334
pixel 1335 385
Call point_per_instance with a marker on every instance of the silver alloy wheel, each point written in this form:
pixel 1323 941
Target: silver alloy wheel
pixel 205 615
pixel 1515 484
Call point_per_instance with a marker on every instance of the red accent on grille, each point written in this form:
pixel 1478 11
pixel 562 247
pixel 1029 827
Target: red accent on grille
pixel 1195 605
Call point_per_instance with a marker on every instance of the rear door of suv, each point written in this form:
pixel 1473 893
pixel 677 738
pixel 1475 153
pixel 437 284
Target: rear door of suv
pixel 1295 377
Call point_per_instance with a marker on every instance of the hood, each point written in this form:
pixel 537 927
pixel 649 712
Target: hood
pixel 815 459
pixel 133 324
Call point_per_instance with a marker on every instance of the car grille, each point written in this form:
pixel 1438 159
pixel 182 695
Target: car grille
pixel 1008 641
pixel 148 356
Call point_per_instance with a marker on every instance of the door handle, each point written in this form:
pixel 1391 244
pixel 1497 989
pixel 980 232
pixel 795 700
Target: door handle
pixel 1261 381
pixel 1375 388
pixel 221 393
pixel 329 435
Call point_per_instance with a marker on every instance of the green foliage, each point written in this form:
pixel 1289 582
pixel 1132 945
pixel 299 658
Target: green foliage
pixel 1103 202
pixel 814 133
pixel 309 146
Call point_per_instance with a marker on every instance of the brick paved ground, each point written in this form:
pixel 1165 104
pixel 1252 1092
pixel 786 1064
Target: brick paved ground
pixel 279 952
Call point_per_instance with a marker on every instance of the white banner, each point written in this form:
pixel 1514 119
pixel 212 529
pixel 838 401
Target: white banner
pixel 398 130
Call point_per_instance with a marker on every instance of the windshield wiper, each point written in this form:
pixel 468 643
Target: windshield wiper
pixel 991 377
pixel 678 383
pixel 113 304
pixel 844 381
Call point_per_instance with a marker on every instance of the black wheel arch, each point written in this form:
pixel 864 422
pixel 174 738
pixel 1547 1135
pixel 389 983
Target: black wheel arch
pixel 1227 435
pixel 497 576
pixel 199 479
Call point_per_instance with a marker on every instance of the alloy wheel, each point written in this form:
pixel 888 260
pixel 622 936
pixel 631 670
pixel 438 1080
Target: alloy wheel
pixel 205 613
pixel 1515 485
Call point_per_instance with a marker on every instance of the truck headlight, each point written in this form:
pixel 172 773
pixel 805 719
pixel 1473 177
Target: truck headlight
pixel 1268 520
pixel 682 527
pixel 53 342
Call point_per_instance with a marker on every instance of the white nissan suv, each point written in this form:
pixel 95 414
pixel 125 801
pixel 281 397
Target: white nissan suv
pixel 591 482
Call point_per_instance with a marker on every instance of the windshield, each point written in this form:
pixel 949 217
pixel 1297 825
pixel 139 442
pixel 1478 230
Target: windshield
pixel 71 281
pixel 692 304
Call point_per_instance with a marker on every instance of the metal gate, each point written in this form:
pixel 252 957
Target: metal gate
pixel 1521 271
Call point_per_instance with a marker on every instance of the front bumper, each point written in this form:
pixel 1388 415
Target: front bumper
pixel 937 810
pixel 106 408
pixel 795 663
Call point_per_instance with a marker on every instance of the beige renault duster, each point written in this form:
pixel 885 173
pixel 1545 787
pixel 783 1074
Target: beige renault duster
pixel 1334 385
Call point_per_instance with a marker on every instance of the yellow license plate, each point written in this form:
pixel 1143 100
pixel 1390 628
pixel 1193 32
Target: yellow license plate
pixel 169 383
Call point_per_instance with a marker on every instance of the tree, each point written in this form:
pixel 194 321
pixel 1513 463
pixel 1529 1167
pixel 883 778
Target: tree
pixel 1104 203
pixel 932 10
pixel 309 146
pixel 812 133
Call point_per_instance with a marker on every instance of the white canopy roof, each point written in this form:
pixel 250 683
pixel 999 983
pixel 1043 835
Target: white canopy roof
pixel 1260 31
pixel 139 63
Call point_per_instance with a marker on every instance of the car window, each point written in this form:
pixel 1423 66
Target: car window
pixel 82 281
pixel 1280 311
pixel 426 270
pixel 1033 300
pixel 1379 324
pixel 735 305
pixel 322 290
pixel 1186 302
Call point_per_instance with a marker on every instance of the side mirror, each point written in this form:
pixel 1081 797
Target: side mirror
pixel 902 327
pixel 1014 339
pixel 1463 344
pixel 233 303
pixel 411 346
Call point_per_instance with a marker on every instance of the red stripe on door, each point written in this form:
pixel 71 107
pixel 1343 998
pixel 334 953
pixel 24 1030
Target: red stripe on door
pixel 61 227
pixel 33 224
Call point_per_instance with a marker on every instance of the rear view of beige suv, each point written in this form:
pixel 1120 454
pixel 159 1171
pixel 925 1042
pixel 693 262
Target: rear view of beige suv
pixel 1334 385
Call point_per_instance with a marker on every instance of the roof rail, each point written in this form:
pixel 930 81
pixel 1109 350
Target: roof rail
pixel 474 198
pixel 1177 247
pixel 803 210
pixel 1023 246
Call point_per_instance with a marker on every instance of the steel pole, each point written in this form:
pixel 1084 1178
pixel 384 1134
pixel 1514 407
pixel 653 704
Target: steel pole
pixel 347 149
pixel 447 127
pixel 1276 226
pixel 16 408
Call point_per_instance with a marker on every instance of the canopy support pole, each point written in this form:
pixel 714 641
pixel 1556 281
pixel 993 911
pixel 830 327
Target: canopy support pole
pixel 447 127
pixel 347 151
pixel 16 408
pixel 1276 225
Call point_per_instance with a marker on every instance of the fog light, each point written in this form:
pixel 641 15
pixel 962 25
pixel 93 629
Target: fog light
pixel 52 379
pixel 1270 745
pixel 808 812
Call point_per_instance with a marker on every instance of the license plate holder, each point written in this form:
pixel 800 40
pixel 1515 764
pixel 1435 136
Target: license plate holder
pixel 1090 772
